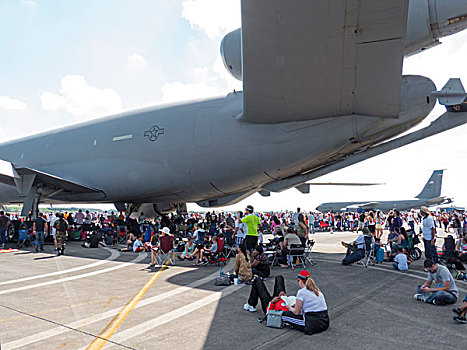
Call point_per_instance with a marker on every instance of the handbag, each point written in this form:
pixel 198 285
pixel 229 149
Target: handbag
pixel 274 319
pixel 222 281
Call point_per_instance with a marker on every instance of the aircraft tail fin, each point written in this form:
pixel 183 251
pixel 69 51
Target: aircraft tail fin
pixel 453 93
pixel 432 188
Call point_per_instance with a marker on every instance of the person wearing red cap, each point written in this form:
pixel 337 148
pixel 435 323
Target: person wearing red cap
pixel 310 312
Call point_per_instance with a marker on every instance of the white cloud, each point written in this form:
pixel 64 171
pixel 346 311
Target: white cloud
pixel 80 99
pixel 213 17
pixel 202 82
pixel 178 91
pixel 9 103
pixel 29 3
pixel 51 101
pixel 136 63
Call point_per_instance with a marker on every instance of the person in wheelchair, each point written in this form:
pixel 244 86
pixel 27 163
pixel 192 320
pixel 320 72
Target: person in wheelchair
pixel 356 249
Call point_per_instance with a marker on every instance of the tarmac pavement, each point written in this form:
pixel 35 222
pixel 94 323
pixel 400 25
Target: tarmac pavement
pixel 66 302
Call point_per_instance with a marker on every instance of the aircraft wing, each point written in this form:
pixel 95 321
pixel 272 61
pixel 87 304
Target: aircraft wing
pixel 306 59
pixel 369 205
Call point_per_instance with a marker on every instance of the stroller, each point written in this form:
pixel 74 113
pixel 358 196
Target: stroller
pixel 412 241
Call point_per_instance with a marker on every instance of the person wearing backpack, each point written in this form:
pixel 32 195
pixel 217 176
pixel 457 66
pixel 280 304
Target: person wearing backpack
pixel 61 227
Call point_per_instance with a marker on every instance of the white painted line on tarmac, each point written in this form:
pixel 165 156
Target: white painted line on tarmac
pixel 172 315
pixel 139 258
pixel 411 273
pixel 108 314
pixel 114 254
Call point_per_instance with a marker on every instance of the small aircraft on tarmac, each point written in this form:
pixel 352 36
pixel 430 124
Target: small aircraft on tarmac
pixel 322 89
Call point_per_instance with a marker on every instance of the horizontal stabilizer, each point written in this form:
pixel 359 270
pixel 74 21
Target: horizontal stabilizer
pixel 453 93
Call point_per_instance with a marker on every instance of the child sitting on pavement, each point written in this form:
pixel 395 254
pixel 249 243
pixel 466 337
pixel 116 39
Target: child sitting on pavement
pixel 400 260
pixel 189 249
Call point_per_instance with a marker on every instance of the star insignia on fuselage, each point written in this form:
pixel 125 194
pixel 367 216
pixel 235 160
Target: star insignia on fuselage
pixel 153 133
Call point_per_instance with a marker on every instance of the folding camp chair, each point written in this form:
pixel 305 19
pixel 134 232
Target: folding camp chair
pixel 229 250
pixel 308 249
pixel 219 256
pixel 122 235
pixel 369 253
pixel 166 250
pixel 296 252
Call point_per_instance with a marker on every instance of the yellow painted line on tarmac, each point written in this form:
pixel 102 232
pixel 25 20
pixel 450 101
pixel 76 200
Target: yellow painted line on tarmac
pixel 109 330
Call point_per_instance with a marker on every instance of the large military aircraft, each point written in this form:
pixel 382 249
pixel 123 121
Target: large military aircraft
pixel 322 89
pixel 429 196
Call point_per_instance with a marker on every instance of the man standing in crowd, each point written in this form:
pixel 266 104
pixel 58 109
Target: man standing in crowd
pixel 295 218
pixel 429 235
pixel 79 219
pixel 39 227
pixel 53 230
pixel 311 222
pixel 61 227
pixel 445 291
pixel 252 222
pixel 3 228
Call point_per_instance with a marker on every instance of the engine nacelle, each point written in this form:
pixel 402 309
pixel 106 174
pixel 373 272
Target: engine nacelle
pixel 428 20
pixel 231 52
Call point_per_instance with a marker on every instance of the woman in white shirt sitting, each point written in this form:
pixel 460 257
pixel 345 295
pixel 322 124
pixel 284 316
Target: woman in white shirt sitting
pixel 310 312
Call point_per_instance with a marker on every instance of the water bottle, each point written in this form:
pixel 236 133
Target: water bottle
pixel 221 271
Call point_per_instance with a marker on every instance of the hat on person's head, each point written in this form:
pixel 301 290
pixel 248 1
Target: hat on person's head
pixel 166 230
pixel 303 275
pixel 425 210
pixel 249 208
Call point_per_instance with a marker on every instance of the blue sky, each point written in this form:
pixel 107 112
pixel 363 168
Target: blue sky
pixel 62 62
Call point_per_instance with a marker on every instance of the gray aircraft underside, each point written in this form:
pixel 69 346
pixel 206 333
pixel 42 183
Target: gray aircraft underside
pixel 296 119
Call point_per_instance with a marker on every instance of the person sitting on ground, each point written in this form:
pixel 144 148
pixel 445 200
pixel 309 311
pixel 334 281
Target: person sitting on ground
pixel 129 243
pixel 400 260
pixel 138 245
pixel 289 239
pixel 259 291
pixel 310 312
pixel 260 263
pixel 189 249
pixel 446 291
pixel 461 312
pixel 243 265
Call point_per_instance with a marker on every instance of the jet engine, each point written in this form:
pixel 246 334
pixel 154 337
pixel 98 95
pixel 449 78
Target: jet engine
pixel 428 21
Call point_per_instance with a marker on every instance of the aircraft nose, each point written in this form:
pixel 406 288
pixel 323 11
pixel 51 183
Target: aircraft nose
pixel 451 16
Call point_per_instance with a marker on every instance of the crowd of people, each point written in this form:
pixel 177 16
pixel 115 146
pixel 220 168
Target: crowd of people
pixel 204 237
